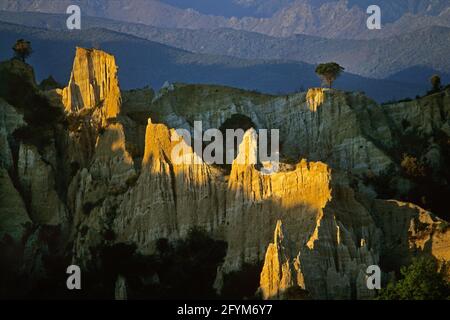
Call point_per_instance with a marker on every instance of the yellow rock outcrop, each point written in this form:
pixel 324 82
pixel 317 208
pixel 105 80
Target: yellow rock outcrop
pixel 315 97
pixel 93 84
pixel 305 222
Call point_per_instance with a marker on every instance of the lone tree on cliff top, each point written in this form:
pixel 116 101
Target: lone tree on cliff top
pixel 329 72
pixel 22 49
pixel 435 83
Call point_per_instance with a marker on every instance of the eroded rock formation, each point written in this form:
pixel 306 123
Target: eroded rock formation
pixel 93 84
pixel 111 178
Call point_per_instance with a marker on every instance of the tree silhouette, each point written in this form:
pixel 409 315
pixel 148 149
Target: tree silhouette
pixel 22 49
pixel 435 83
pixel 329 72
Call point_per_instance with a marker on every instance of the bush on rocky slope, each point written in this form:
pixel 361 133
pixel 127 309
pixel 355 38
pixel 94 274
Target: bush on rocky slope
pixel 422 280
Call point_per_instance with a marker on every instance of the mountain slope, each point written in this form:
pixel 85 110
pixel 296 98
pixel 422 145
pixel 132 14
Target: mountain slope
pixel 378 58
pixel 332 19
pixel 148 63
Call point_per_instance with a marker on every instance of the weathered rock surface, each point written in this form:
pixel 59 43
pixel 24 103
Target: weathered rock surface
pixel 409 230
pixel 333 263
pixel 333 235
pixel 126 187
pixel 346 130
pixel 169 199
pixel 38 184
pixel 13 213
pixel 10 120
pixel 326 258
pixel 279 272
pixel 93 84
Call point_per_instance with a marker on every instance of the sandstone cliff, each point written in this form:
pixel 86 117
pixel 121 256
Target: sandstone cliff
pixel 93 84
pixel 348 130
pixel 109 178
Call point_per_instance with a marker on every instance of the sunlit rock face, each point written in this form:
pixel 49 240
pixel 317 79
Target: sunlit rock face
pixel 254 199
pixel 325 235
pixel 305 222
pixel 280 272
pixel 348 131
pixel 315 98
pixel 93 84
pixel 347 239
pixel 168 199
pixel 327 255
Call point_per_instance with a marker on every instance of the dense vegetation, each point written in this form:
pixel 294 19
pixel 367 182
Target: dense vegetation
pixel 422 280
pixel 183 269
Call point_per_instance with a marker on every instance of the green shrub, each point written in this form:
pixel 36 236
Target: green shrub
pixel 422 280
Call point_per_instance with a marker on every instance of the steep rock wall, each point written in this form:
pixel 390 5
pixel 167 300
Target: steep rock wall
pixel 326 234
pixel 333 236
pixel 346 130
pixel 93 84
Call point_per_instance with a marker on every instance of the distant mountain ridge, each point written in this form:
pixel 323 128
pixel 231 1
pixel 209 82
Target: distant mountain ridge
pixel 377 58
pixel 325 18
pixel 149 63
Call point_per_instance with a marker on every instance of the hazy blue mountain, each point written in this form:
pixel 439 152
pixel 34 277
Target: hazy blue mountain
pixel 418 74
pixel 393 10
pixel 231 8
pixel 142 62
pixel 378 58
pixel 325 18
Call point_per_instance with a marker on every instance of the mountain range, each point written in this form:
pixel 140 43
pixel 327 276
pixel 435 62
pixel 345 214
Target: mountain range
pixel 90 170
pixel 325 18
pixel 149 63
pixel 376 58
pixel 267 8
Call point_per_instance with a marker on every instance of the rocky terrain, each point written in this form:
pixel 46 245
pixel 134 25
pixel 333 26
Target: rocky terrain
pixel 88 168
